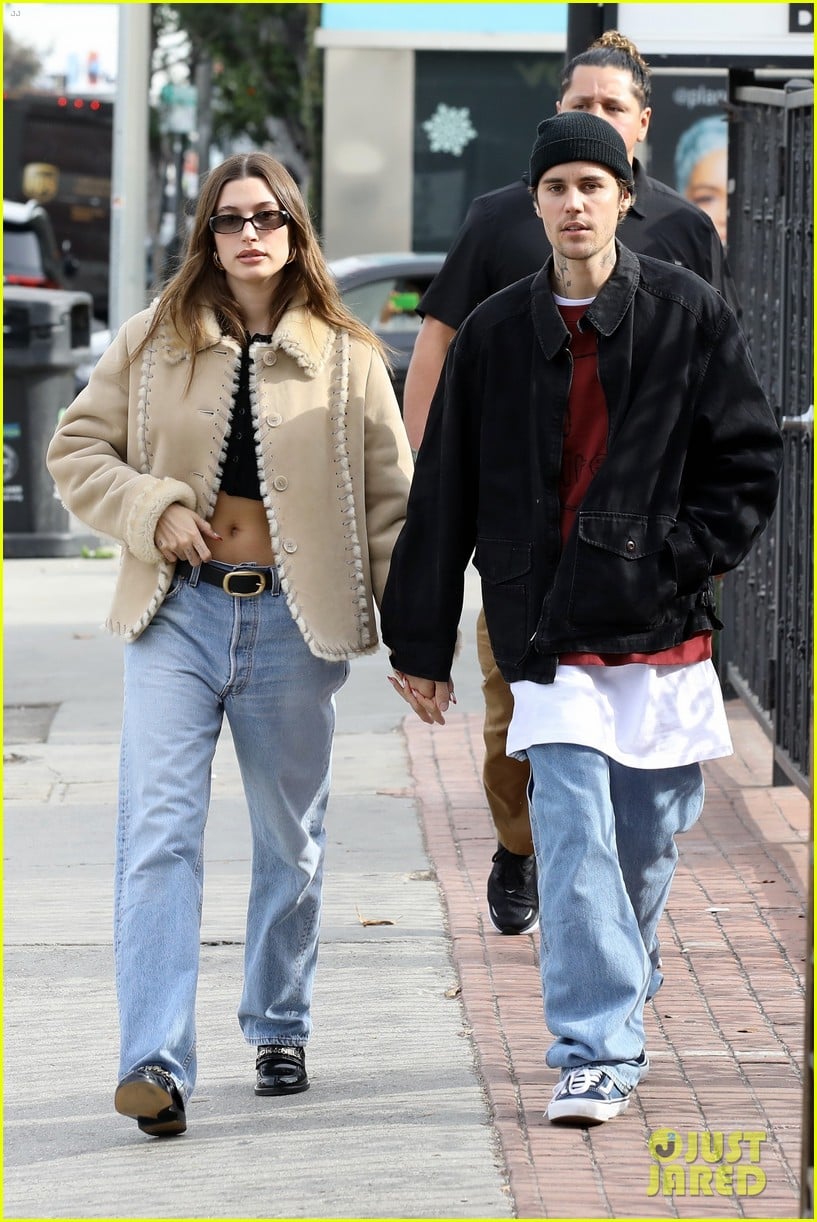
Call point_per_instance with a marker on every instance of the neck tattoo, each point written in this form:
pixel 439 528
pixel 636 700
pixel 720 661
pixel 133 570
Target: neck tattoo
pixel 562 272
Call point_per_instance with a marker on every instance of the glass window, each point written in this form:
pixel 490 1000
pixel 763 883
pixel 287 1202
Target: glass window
pixel 21 253
pixel 368 301
pixel 388 304
pixel 475 120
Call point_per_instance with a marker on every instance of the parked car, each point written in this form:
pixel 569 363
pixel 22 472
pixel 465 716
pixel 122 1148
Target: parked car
pixel 31 257
pixel 383 291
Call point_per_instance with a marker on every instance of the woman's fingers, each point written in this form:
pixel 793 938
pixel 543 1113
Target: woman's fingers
pixel 405 694
pixel 428 708
pixel 180 535
pixel 421 695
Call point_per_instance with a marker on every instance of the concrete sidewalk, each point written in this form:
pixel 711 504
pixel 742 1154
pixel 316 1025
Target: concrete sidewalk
pixel 427 1060
pixel 396 1122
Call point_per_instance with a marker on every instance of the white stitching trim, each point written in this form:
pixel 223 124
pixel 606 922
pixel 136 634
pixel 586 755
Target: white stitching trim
pixel 142 404
pixel 129 632
pixel 229 387
pixel 338 412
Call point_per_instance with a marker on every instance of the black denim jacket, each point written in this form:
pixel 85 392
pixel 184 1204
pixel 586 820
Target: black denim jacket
pixel 690 477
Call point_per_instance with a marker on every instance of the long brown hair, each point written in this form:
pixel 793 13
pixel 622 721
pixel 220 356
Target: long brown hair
pixel 200 283
pixel 614 50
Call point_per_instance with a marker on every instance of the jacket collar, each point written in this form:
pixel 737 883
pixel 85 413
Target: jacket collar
pixel 307 339
pixel 605 313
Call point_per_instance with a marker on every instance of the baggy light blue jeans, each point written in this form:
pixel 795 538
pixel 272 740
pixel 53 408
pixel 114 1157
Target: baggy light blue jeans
pixel 205 654
pixel 606 855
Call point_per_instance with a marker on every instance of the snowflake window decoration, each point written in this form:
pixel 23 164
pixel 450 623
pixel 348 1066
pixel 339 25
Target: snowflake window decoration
pixel 449 129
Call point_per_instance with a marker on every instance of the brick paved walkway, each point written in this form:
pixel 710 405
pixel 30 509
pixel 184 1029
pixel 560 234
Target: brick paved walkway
pixel 725 1033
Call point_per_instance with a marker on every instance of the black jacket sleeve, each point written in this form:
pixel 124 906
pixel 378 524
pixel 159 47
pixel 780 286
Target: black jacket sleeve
pixel 731 474
pixel 422 603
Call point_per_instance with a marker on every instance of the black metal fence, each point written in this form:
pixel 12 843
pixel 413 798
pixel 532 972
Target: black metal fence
pixel 767 648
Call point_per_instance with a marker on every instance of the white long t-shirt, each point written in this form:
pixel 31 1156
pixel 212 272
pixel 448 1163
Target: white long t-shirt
pixel 641 715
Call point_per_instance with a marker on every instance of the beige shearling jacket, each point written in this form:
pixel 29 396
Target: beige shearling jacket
pixel 334 465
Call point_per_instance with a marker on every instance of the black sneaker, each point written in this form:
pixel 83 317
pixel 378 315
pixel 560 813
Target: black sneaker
pixel 513 901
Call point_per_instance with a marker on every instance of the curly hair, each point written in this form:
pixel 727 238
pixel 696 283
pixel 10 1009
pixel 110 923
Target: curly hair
pixel 199 283
pixel 614 50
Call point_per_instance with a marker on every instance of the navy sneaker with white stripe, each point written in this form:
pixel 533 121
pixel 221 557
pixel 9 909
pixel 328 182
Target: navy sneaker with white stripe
pixel 588 1095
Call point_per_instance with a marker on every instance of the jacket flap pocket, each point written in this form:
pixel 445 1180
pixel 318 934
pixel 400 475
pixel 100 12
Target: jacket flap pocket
pixel 625 534
pixel 499 560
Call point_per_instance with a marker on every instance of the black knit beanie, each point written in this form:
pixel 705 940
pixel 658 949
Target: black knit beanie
pixel 574 135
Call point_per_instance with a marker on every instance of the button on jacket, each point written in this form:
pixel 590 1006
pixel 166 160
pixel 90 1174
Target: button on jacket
pixel 690 477
pixel 335 457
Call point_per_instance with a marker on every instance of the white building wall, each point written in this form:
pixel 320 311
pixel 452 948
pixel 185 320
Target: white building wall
pixel 714 29
pixel 367 150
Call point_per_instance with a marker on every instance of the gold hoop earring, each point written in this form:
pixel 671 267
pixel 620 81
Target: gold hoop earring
pixel 217 261
pixel 292 255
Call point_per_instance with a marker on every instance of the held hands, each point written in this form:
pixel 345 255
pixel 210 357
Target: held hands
pixel 428 699
pixel 180 535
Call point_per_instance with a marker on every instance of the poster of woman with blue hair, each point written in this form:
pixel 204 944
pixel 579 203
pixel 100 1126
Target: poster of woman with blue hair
pixel 701 167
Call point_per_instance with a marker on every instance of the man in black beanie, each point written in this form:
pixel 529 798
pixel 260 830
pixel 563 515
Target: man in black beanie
pixel 500 241
pixel 600 442
pixel 577 136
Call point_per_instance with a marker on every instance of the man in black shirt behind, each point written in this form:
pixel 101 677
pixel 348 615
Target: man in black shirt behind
pixel 501 241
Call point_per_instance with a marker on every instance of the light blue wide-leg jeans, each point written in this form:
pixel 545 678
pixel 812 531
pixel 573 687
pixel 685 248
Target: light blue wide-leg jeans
pixel 206 654
pixel 606 855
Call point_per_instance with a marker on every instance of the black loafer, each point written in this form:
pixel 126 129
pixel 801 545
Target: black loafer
pixel 280 1070
pixel 151 1097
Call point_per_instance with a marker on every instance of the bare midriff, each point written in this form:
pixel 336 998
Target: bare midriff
pixel 244 531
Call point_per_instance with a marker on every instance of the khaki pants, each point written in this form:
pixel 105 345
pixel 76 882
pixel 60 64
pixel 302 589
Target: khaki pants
pixel 505 779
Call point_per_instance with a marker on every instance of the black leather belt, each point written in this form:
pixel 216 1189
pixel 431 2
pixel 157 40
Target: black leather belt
pixel 240 582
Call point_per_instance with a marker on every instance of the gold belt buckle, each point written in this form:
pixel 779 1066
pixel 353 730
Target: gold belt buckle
pixel 261 579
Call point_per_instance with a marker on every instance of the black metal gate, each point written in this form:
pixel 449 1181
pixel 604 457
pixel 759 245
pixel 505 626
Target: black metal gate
pixel 767 648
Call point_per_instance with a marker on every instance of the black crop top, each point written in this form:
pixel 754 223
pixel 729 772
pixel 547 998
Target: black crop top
pixel 240 474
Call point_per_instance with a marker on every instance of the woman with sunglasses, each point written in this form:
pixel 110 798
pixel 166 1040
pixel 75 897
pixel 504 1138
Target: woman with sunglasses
pixel 241 440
